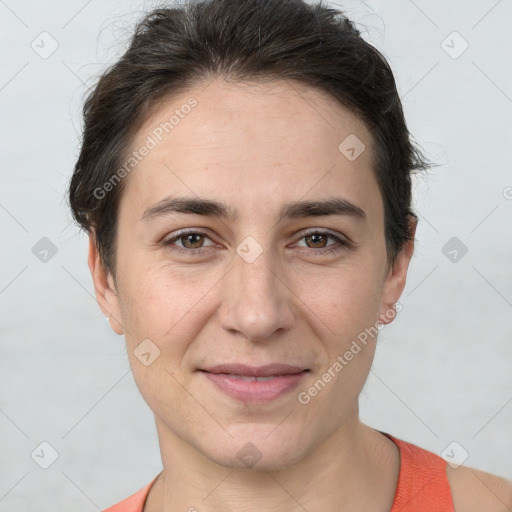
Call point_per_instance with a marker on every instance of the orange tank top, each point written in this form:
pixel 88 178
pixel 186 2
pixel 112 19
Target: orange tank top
pixel 422 483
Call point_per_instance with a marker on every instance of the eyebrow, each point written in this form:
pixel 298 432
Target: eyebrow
pixel 293 210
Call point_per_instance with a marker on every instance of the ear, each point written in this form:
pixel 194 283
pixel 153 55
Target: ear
pixel 394 283
pixel 104 287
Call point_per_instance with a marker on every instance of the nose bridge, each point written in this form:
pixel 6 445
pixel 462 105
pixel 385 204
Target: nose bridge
pixel 255 269
pixel 257 303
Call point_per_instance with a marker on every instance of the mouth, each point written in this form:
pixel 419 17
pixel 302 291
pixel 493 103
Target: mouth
pixel 244 370
pixel 248 378
pixel 255 384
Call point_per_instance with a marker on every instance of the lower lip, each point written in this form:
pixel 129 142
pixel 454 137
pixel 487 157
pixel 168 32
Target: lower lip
pixel 256 391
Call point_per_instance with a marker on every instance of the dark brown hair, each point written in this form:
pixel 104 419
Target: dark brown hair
pixel 176 47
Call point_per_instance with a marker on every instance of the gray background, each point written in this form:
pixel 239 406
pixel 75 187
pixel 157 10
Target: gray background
pixel 442 371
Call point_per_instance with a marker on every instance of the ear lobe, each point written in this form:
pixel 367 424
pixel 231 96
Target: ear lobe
pixel 396 278
pixel 104 288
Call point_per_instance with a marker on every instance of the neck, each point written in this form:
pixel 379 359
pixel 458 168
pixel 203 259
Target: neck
pixel 354 469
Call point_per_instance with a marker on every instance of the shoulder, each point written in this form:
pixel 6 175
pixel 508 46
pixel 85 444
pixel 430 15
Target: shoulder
pixel 474 490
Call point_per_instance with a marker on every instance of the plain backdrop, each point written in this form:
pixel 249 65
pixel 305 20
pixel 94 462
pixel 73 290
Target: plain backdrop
pixel 442 376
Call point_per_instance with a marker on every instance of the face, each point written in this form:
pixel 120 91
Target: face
pixel 258 278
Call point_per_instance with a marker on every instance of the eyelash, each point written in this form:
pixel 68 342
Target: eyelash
pixel 323 251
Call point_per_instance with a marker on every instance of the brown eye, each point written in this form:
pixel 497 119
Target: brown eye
pixel 189 242
pixel 318 240
pixel 317 243
pixel 192 241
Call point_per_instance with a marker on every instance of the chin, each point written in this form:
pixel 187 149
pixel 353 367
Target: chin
pixel 257 447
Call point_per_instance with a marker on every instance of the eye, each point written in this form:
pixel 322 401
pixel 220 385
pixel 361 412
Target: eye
pixel 319 239
pixel 192 242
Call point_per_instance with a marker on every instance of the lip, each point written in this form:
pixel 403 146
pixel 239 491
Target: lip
pixel 255 371
pixel 239 380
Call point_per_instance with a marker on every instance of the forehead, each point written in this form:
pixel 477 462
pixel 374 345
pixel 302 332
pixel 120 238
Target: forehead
pixel 248 142
pixel 284 110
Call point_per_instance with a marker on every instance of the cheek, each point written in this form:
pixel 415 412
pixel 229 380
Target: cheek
pixel 159 299
pixel 166 304
pixel 345 299
pixel 352 314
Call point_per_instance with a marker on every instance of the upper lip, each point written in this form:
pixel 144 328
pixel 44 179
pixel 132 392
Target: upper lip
pixel 256 371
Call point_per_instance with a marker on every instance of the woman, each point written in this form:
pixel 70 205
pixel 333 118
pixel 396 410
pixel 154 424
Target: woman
pixel 245 182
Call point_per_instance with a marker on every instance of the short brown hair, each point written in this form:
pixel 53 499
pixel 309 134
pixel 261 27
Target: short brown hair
pixel 175 48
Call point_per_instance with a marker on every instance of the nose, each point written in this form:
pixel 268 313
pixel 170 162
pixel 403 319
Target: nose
pixel 257 299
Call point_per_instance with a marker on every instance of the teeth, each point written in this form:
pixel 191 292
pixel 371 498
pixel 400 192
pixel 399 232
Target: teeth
pixel 247 378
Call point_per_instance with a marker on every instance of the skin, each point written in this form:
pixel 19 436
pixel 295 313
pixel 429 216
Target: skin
pixel 255 148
